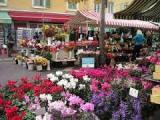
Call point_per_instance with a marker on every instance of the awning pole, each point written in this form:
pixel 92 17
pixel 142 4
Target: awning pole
pixel 102 59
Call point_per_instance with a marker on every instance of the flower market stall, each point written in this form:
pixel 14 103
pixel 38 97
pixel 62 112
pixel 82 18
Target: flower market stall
pixel 89 94
pixel 116 46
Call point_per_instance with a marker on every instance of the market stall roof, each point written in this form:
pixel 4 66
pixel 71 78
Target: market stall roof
pixel 93 18
pixel 5 18
pixel 137 9
pixel 153 12
pixel 40 17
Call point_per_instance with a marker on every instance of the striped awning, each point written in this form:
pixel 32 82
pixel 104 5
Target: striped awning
pixel 92 18
pixel 153 12
pixel 140 9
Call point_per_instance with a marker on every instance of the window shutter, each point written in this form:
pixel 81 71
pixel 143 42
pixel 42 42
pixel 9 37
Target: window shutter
pixel 48 3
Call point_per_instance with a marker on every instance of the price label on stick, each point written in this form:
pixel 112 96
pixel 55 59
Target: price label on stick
pixel 133 92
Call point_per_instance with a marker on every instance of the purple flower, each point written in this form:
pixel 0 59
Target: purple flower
pixel 88 107
pixel 123 108
pixel 116 115
pixel 137 117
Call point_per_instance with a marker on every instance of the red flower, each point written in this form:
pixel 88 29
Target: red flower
pixel 11 112
pixel 24 79
pixel 7 103
pixel 11 83
pixel 1 102
pixel 16 118
pixel 55 89
pixel 37 77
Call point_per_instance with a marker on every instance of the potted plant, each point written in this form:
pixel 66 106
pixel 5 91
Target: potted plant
pixel 30 64
pixel 40 62
pixel 19 59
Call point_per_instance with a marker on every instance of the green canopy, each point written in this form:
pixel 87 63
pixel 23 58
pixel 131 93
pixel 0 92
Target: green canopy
pixel 5 18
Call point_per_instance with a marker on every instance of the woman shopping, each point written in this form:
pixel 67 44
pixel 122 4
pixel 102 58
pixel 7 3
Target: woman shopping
pixel 138 43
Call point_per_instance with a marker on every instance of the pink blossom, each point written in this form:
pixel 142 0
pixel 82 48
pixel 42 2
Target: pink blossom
pixel 88 107
pixel 67 112
pixel 75 100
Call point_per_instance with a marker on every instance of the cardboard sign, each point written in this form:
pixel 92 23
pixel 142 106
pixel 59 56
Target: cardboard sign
pixel 88 62
pixel 133 92
pixel 40 111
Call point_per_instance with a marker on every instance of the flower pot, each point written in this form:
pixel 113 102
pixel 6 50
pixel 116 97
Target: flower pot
pixel 16 61
pixel 39 67
pixel 30 67
pixel 24 64
pixel 49 41
pixel 19 62
pixel 49 65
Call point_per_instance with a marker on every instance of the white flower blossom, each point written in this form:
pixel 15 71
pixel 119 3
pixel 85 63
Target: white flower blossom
pixel 47 116
pixel 49 76
pixel 62 82
pixel 67 76
pixel 82 86
pixel 86 78
pixel 43 97
pixel 54 79
pixel 49 97
pixel 59 73
pixel 39 117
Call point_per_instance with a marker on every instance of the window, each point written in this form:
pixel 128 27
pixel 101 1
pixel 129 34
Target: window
pixel 123 6
pixel 41 3
pixel 3 2
pixel 97 7
pixel 110 7
pixel 72 6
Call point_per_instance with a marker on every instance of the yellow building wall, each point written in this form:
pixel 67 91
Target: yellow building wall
pixel 59 6
pixel 118 4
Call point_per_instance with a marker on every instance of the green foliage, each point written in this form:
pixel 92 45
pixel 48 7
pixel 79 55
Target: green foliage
pixel 47 55
pixel 29 116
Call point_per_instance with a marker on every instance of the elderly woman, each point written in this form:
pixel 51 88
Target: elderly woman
pixel 138 41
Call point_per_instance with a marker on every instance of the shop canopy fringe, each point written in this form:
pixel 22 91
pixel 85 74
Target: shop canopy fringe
pixel 92 18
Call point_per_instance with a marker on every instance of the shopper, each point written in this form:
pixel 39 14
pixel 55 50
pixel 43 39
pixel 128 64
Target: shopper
pixel 138 43
pixel 149 38
pixel 10 44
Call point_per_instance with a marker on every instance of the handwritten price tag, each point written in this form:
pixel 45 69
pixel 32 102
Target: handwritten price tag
pixel 133 92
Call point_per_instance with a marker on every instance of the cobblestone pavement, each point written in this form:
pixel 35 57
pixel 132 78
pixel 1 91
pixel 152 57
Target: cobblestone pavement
pixel 11 71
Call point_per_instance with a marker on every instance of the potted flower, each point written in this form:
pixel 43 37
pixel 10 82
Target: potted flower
pixel 19 59
pixel 40 62
pixel 49 32
pixel 30 64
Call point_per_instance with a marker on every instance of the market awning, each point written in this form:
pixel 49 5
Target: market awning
pixel 85 17
pixel 40 17
pixel 137 8
pixel 5 18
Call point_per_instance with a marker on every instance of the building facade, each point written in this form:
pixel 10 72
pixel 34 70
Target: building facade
pixel 113 5
pixel 35 13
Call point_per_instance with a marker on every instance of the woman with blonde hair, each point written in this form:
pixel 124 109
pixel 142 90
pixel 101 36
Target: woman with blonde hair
pixel 138 43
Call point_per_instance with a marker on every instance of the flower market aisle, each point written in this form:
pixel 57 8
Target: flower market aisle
pixel 10 71
pixel 107 93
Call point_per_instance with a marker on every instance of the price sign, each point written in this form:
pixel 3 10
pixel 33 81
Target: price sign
pixel 133 92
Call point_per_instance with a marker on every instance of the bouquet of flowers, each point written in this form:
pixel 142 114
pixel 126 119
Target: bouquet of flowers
pixel 23 43
pixel 49 31
pixel 40 61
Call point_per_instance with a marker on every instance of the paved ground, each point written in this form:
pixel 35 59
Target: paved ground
pixel 11 71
